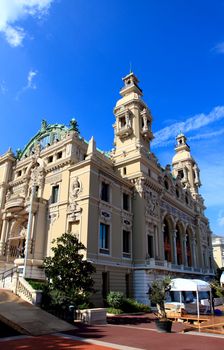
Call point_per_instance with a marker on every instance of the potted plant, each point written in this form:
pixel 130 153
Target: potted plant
pixel 157 295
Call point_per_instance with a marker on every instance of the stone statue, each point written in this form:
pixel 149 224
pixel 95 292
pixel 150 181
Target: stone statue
pixel 127 120
pixel 43 125
pixel 75 187
pixel 74 125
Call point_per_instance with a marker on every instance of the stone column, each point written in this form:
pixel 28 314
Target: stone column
pixel 3 235
pixel 193 244
pixel 206 257
pixel 174 247
pixel 162 245
pixel 185 250
pixel 156 242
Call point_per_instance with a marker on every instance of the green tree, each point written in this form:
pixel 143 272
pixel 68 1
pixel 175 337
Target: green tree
pixel 69 275
pixel 157 294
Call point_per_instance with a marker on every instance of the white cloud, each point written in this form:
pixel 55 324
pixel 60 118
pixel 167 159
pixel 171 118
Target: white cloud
pixel 206 135
pixel 219 48
pixel 30 84
pixel 14 36
pixel 167 134
pixel 3 88
pixel 11 11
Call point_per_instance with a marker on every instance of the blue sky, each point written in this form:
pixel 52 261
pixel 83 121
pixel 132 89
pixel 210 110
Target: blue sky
pixel 61 59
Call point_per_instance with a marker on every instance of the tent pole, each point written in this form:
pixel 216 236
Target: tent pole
pixel 211 308
pixel 198 309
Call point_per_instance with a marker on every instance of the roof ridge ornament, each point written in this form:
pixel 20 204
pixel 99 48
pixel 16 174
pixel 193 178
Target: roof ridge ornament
pixel 74 125
pixel 43 125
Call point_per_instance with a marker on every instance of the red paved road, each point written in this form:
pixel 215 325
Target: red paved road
pixel 138 336
pixel 135 336
pixel 48 343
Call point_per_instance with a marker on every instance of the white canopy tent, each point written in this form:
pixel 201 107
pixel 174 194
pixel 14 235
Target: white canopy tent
pixel 222 279
pixel 185 285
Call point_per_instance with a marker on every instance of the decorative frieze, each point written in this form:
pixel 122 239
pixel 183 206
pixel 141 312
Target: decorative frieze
pixel 53 179
pixel 176 212
pixel 151 203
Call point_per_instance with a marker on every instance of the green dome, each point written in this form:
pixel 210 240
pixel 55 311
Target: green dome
pixel 46 136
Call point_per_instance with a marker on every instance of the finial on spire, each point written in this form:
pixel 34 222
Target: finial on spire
pixel 130 67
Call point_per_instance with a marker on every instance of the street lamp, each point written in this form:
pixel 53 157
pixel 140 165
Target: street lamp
pixel 29 229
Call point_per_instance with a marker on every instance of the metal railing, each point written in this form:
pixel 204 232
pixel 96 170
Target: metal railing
pixel 7 273
pixel 10 279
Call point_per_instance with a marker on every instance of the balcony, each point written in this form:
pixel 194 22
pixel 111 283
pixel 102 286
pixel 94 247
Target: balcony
pixel 124 131
pixel 15 203
pixel 168 266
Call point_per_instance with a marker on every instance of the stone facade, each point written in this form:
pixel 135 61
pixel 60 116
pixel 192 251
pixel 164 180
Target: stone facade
pixel 218 250
pixel 137 219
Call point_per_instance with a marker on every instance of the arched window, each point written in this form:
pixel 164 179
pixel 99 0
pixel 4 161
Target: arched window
pixel 188 246
pixel 166 238
pixel 178 245
pixel 166 184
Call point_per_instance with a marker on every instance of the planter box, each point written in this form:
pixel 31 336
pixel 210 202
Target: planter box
pixel 92 316
pixel 163 326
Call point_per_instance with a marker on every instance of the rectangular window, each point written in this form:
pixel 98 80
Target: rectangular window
pixel 122 122
pixel 54 194
pixel 125 201
pixel 104 238
pixel 181 173
pixel 105 192
pixel 59 155
pixel 126 244
pixel 50 159
pixel 36 191
pixel 19 173
pixel 150 246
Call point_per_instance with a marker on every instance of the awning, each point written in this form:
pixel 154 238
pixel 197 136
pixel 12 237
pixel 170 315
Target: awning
pixel 183 284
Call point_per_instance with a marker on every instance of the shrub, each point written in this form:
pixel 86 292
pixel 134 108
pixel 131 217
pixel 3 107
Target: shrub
pixel 118 303
pixel 36 284
pixel 115 300
pixel 85 305
pixel 132 305
pixel 112 310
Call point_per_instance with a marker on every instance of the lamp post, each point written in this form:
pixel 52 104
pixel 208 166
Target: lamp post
pixel 29 229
